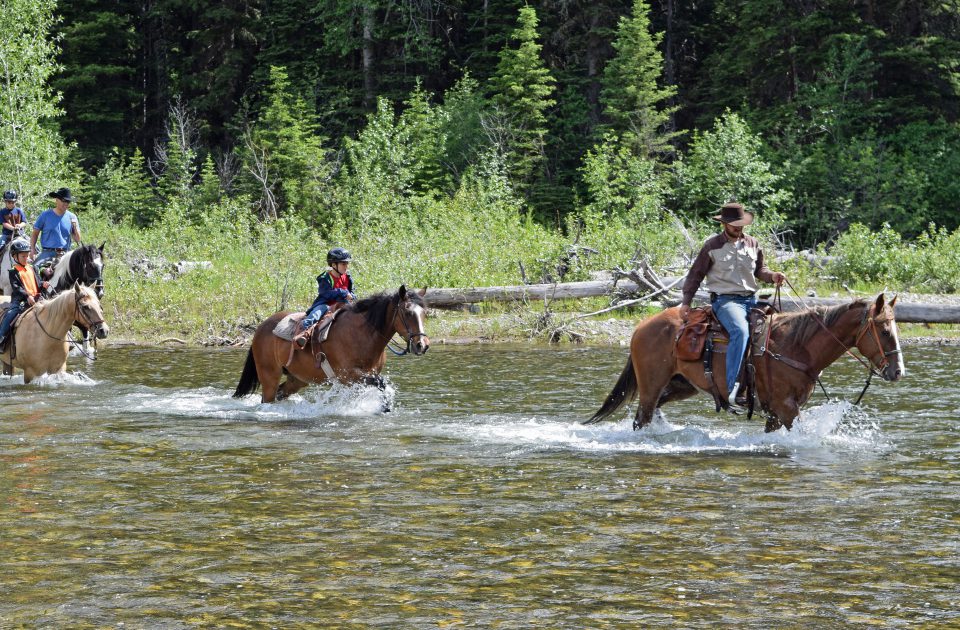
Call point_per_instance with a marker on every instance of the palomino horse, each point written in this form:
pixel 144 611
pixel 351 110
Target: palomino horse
pixel 40 339
pixel 800 346
pixel 355 346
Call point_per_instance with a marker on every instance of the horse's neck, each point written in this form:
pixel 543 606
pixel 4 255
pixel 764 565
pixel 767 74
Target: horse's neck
pixel 57 315
pixel 62 271
pixel 367 341
pixel 829 344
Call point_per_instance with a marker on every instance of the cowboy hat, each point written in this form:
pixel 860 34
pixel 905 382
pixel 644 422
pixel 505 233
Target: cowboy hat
pixel 734 214
pixel 63 194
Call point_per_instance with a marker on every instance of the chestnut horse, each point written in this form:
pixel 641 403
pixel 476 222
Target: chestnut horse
pixel 355 346
pixel 800 346
pixel 41 336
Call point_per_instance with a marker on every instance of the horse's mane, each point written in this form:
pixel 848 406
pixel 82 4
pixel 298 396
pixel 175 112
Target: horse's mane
pixel 375 308
pixel 801 326
pixel 43 305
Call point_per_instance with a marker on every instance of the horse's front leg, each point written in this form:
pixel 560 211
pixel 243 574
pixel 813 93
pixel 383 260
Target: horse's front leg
pixel 85 336
pixel 784 413
pixel 376 380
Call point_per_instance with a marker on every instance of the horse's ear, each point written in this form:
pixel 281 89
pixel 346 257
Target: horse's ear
pixel 76 287
pixel 879 305
pixel 402 293
pixel 100 249
pixel 893 301
pixel 422 292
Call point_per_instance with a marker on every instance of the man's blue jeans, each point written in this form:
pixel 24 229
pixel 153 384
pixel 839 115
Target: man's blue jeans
pixel 732 311
pixel 42 256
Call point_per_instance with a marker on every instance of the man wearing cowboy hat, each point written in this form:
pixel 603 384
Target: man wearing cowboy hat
pixel 731 262
pixel 56 225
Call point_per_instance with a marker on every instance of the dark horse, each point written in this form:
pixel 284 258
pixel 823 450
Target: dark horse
pixel 355 347
pixel 800 346
pixel 83 265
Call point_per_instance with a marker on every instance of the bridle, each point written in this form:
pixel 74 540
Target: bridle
pixel 869 324
pixel 397 311
pixel 81 311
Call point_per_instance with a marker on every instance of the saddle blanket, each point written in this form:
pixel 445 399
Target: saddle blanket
pixel 289 326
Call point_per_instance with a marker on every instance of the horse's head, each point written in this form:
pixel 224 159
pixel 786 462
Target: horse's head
pixel 86 267
pixel 408 320
pixel 89 313
pixel 879 340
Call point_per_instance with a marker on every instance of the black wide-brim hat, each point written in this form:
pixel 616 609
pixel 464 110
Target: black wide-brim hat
pixel 63 194
pixel 734 214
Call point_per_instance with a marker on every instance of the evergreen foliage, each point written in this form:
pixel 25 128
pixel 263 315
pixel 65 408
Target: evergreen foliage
pixel 522 91
pixel 632 98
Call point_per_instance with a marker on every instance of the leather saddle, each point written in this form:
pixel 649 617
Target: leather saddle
pixel 289 326
pixel 702 324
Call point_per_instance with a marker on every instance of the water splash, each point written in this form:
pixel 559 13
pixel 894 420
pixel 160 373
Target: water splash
pixel 211 402
pixel 835 426
pixel 50 380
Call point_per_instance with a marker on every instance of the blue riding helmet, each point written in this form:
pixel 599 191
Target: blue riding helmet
pixel 338 255
pixel 10 195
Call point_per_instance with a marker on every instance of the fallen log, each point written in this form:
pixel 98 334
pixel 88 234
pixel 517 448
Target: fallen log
pixel 907 312
pixel 443 298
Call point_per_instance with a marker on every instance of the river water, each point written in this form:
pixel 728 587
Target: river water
pixel 137 492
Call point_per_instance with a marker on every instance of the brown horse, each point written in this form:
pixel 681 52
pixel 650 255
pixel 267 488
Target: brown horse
pixel 40 339
pixel 355 346
pixel 800 346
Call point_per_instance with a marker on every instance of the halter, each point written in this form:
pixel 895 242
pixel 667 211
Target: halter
pixel 869 323
pixel 410 336
pixel 80 310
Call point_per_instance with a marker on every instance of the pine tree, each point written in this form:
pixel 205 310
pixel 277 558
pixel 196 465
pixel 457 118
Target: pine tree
pixel 287 134
pixel 99 76
pixel 633 101
pixel 522 89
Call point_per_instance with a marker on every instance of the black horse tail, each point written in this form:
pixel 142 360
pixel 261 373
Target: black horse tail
pixel 623 392
pixel 248 379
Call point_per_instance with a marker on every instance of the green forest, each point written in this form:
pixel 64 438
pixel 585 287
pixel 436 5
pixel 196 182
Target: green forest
pixel 447 141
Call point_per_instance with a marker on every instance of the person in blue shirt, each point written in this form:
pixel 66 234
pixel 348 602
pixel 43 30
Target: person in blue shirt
pixel 54 227
pixel 11 217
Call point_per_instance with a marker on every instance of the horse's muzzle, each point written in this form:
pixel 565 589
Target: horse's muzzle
pixel 893 373
pixel 101 330
pixel 420 346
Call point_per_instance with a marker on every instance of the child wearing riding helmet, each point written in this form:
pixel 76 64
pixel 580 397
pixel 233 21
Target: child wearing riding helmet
pixel 333 286
pixel 12 217
pixel 25 287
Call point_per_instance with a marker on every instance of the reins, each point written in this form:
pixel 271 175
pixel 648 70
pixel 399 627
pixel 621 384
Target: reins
pixel 868 322
pixel 69 338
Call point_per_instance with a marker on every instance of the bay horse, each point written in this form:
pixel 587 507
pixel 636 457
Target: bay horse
pixel 800 346
pixel 40 339
pixel 355 346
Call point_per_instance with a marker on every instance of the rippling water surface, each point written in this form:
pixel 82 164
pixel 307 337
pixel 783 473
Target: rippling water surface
pixel 136 491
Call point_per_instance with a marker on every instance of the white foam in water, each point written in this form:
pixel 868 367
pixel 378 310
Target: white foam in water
pixel 51 380
pixel 836 425
pixel 312 402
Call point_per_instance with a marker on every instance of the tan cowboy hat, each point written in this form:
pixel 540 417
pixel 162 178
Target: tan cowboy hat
pixel 734 214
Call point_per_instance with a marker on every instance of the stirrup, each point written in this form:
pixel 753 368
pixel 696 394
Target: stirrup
pixel 301 340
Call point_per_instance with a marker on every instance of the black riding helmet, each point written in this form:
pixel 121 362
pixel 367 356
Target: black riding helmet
pixel 338 255
pixel 19 246
pixel 10 195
